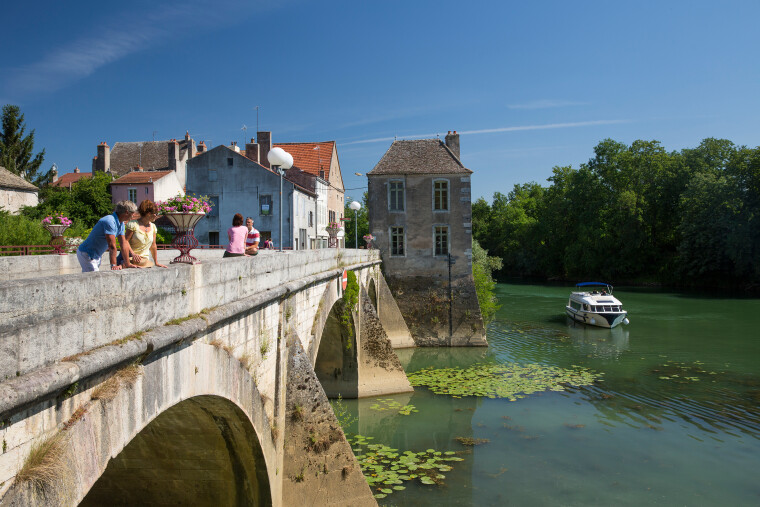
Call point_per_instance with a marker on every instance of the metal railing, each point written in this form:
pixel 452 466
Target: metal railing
pixel 6 250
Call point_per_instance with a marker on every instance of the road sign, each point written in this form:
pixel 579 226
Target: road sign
pixel 344 279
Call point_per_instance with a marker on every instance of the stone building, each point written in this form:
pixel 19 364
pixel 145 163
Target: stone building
pixel 16 192
pixel 236 183
pixel 123 158
pixel 420 212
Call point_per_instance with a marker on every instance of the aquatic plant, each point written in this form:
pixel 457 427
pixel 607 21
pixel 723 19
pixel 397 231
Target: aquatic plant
pixel 683 373
pixel 390 404
pixel 493 380
pixel 386 469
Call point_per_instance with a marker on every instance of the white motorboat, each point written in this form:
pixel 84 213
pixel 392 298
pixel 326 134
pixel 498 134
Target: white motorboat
pixel 597 307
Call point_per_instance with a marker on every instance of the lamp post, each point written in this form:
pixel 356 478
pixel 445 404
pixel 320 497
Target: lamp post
pixel 356 206
pixel 282 160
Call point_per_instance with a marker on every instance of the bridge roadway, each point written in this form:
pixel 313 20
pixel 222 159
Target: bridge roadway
pixel 202 384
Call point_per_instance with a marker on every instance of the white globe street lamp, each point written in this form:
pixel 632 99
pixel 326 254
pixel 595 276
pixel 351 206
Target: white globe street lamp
pixel 282 160
pixel 356 206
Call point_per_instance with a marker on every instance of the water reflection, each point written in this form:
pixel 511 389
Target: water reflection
pixel 600 342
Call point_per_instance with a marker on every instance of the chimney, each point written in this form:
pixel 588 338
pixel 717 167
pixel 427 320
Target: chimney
pixel 76 170
pixel 452 141
pixel 103 162
pixel 265 144
pixel 201 147
pixel 173 147
pixel 252 151
pixel 191 149
pixel 139 168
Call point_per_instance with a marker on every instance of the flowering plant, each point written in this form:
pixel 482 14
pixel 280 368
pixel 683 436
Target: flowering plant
pixel 368 238
pixel 57 219
pixel 184 204
pixel 332 226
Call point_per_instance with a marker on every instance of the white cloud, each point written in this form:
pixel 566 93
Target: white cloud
pixel 519 128
pixel 546 104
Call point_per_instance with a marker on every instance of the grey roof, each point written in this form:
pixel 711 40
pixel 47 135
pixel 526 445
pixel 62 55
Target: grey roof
pixel 150 155
pixel 10 180
pixel 420 156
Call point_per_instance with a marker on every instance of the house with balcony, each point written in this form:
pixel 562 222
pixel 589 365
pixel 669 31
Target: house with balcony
pixel 420 213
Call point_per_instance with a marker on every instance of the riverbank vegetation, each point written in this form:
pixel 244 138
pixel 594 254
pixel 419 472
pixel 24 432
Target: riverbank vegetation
pixel 483 267
pixel 634 214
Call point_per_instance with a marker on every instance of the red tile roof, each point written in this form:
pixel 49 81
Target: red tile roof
pixel 140 177
pixel 69 179
pixel 308 158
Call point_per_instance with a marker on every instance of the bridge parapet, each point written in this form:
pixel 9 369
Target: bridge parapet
pixel 51 318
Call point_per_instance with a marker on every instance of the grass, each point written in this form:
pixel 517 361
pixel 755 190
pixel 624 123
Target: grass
pixel 44 466
pixel 216 342
pixel 297 413
pixel 200 315
pixel 108 389
pixel 264 349
pixel 121 341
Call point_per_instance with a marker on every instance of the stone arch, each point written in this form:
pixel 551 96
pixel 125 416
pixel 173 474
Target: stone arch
pixel 201 451
pixel 336 364
pixel 102 426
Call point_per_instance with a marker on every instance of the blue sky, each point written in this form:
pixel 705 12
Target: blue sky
pixel 529 85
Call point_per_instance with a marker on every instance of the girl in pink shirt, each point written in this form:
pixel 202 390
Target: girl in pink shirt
pixel 236 234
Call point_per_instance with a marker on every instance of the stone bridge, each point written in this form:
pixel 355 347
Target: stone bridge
pixel 202 384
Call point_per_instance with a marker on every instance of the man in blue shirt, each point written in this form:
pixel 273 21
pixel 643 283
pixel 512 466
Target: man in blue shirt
pixel 103 237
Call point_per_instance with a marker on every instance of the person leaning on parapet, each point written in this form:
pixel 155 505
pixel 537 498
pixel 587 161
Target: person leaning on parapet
pixel 236 234
pixel 141 235
pixel 252 240
pixel 103 236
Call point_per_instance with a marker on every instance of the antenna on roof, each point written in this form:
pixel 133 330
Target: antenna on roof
pixel 244 128
pixel 154 134
pixel 257 118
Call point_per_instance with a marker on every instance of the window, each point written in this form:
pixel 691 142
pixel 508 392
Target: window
pixel 132 195
pixel 229 162
pixel 440 195
pixel 147 191
pixel 331 216
pixel 441 239
pixel 396 195
pixel 213 237
pixel 397 241
pixel 311 219
pixel 265 204
pixel 214 202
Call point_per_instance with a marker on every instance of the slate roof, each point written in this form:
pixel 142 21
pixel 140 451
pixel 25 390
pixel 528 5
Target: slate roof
pixel 420 156
pixel 69 179
pixel 10 180
pixel 308 158
pixel 140 177
pixel 151 155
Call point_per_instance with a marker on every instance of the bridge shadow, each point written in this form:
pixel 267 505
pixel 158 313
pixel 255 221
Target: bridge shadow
pixel 201 451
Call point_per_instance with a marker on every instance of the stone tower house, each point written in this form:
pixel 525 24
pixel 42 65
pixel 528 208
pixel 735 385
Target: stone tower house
pixel 420 212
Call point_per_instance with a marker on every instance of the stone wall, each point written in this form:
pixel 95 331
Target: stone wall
pixel 12 199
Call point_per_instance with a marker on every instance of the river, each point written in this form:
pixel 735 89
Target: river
pixel 675 420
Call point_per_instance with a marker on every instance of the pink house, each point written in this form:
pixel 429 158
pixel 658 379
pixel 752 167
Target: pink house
pixel 140 185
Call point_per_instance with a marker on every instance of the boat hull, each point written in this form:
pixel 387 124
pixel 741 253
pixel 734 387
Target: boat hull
pixel 606 319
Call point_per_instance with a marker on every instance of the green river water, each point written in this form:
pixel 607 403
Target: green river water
pixel 675 421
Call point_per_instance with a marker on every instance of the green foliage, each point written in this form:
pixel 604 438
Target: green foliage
pixel 88 201
pixel 386 469
pixel 163 236
pixel 493 380
pixel 634 213
pixel 483 267
pixel 342 413
pixel 363 219
pixel 20 230
pixel 16 149
pixel 350 299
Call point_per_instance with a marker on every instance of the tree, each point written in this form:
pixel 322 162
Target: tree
pixel 88 201
pixel 16 149
pixel 350 226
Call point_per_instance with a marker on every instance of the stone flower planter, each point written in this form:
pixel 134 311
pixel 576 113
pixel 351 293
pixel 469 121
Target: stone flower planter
pixel 184 237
